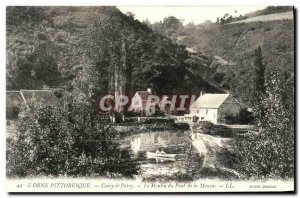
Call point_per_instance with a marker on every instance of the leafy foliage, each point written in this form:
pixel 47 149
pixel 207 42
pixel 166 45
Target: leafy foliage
pixel 66 141
pixel 270 153
pixel 24 14
pixel 246 117
pixel 236 45
pixel 36 70
pixel 95 51
pixel 260 86
pixel 126 56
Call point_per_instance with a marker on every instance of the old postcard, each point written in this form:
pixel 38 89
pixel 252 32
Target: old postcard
pixel 150 99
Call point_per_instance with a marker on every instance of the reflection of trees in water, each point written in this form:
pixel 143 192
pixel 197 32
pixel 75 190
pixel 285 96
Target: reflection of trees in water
pixel 172 143
pixel 153 140
pixel 135 144
pixel 193 161
pixel 187 163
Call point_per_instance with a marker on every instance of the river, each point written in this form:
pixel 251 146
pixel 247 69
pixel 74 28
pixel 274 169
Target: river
pixel 171 142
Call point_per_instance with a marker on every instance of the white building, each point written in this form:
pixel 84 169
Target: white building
pixel 215 107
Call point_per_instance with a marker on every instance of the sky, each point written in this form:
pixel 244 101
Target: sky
pixel 195 14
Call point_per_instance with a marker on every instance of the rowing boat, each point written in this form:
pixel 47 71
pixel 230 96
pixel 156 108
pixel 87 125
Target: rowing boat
pixel 159 155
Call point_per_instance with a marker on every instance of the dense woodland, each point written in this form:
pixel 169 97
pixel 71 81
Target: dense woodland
pixel 232 49
pixel 93 51
pixel 87 52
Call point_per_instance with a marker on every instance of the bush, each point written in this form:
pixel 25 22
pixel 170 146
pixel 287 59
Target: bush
pixel 132 114
pixel 165 121
pixel 158 113
pixel 231 119
pixel 69 140
pixel 270 153
pixel 246 117
pixel 217 130
pixel 228 158
pixel 195 118
pixel 182 126
pixel 182 177
pixel 207 125
pixel 219 77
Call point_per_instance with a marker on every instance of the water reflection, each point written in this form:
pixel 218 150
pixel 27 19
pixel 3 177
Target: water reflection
pixel 171 142
pixel 135 144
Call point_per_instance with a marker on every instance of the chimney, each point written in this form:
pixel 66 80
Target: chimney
pixel 149 90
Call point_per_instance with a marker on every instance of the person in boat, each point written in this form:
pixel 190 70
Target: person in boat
pixel 157 152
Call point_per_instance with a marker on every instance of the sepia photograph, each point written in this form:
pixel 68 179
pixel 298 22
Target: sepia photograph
pixel 115 99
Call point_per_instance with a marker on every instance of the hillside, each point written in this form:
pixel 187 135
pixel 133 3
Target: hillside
pixel 94 51
pixel 236 43
pixel 42 43
pixel 270 10
pixel 99 50
pixel 230 46
pixel 269 17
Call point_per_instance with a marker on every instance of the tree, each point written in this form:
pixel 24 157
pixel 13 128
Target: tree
pixel 270 153
pixel 18 15
pixel 147 22
pixel 222 20
pixel 235 13
pixel 171 26
pixel 69 140
pixel 37 69
pixel 225 15
pixel 279 126
pixel 130 14
pixel 172 22
pixel 108 68
pixel 133 57
pixel 245 117
pixel 259 85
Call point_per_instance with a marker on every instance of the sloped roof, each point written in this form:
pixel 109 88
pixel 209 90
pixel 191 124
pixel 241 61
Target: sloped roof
pixel 13 99
pixel 44 97
pixel 210 101
pixel 143 94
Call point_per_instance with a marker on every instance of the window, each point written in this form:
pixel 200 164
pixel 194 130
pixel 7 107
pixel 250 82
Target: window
pixel 206 111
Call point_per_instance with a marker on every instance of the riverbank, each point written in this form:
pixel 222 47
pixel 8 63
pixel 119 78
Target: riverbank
pixel 135 127
pixel 207 149
pixel 219 157
pixel 222 130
